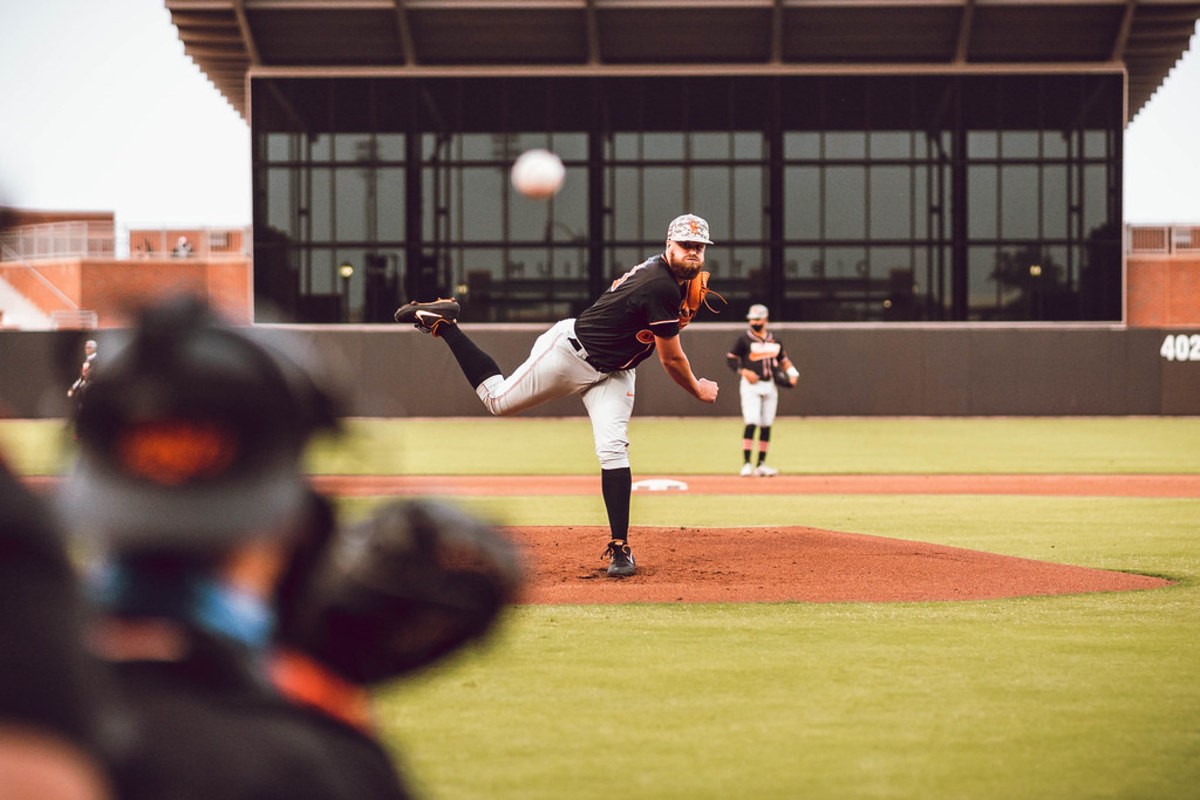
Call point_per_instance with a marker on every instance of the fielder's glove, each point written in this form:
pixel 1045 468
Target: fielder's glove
pixel 409 585
pixel 696 293
pixel 781 378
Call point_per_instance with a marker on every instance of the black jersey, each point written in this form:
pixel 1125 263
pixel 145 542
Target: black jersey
pixel 760 353
pixel 618 330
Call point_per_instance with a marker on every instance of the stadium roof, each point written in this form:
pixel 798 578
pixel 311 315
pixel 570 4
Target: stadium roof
pixel 231 39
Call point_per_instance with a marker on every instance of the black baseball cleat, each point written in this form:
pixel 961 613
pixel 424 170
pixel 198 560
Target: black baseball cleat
pixel 621 564
pixel 428 317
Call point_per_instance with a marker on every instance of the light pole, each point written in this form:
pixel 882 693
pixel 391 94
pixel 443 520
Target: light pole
pixel 346 270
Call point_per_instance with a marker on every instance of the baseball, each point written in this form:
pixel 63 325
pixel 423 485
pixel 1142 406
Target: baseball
pixel 538 174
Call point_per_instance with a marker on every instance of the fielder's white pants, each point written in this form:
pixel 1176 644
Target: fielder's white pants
pixel 556 369
pixel 759 402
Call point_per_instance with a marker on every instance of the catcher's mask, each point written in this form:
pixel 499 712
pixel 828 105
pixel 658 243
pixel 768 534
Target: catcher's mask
pixel 191 436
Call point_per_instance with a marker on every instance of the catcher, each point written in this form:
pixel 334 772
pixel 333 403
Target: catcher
pixel 239 627
pixel 595 356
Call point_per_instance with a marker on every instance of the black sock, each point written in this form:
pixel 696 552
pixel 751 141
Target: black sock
pixel 764 443
pixel 616 486
pixel 477 365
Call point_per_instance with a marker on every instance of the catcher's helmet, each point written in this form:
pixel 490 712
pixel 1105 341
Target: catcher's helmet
pixel 191 436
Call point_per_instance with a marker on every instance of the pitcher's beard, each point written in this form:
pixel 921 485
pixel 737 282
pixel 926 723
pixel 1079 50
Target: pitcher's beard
pixel 685 271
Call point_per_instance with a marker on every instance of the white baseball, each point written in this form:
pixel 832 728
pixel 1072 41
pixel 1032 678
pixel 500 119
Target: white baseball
pixel 538 174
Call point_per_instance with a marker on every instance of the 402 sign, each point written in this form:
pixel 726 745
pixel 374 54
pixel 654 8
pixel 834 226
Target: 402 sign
pixel 1181 347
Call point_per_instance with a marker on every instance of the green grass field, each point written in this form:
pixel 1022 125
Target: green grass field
pixel 1084 696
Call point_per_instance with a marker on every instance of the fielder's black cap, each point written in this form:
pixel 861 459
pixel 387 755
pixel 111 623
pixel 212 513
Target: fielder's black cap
pixel 191 437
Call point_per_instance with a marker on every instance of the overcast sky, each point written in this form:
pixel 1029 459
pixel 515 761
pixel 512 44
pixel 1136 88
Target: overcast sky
pixel 104 112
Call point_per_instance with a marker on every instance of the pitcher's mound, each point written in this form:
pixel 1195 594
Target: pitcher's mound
pixel 769 564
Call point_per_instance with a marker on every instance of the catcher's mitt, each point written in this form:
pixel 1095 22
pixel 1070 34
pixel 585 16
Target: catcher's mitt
pixel 695 295
pixel 400 590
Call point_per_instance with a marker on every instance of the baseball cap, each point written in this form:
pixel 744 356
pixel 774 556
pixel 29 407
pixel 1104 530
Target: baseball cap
pixel 192 436
pixel 688 228
pixel 757 311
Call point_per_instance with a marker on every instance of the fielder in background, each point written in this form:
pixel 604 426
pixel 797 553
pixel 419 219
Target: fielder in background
pixel 595 356
pixel 761 362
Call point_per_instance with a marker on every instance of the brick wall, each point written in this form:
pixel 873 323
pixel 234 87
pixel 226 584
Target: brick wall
pixel 112 287
pixel 1162 291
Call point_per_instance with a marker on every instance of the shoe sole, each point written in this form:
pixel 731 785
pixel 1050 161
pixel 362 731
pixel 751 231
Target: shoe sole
pixel 412 312
pixel 621 572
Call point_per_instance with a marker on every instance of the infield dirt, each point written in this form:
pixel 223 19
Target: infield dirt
pixel 777 564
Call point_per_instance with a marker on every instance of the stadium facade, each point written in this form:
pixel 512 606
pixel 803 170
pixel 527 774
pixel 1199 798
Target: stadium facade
pixel 925 160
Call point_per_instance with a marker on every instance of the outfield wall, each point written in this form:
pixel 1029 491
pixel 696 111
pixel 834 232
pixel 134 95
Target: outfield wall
pixel 846 370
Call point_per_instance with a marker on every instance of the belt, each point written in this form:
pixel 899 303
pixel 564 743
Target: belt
pixel 583 354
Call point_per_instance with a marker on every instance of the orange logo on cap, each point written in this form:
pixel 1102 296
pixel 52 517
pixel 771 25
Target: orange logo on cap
pixel 694 225
pixel 171 453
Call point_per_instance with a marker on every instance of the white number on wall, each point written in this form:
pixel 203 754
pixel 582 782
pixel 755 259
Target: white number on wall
pixel 1181 347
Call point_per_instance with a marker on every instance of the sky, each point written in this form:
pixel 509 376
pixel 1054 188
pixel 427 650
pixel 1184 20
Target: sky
pixel 104 112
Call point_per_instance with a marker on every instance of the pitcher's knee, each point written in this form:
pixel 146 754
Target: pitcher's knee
pixel 614 457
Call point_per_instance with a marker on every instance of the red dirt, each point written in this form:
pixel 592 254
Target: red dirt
pixel 776 564
pixel 773 564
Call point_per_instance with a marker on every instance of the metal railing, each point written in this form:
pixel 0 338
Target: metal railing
pixel 79 239
pixel 1162 239
pixel 83 239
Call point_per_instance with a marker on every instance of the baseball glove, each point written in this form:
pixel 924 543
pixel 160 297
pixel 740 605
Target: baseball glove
pixel 780 376
pixel 411 584
pixel 695 295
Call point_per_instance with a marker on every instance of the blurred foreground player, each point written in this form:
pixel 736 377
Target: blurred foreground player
pixel 215 552
pixel 49 697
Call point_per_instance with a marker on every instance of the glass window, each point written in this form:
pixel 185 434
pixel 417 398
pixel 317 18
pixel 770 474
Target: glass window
pixel 710 197
pixel 320 211
pixel 802 202
pixel 1095 198
pixel 891 144
pixel 845 145
pixel 282 200
pixel 982 144
pixel 662 147
pixel 982 185
pixel 845 202
pixel 1054 144
pixel 322 271
pixel 710 145
pixel 624 200
pixel 481 189
pixel 352 207
pixel 280 146
pixel 891 203
pixel 1019 203
pixel 748 146
pixel 662 201
pixel 1095 144
pixel 320 147
pixel 1020 144
pixel 390 147
pixel 353 147
pixel 570 146
pixel 749 221
pixel 798 146
pixel 1055 211
pixel 569 208
pixel 528 220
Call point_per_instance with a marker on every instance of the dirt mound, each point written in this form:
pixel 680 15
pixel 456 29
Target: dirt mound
pixel 772 564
